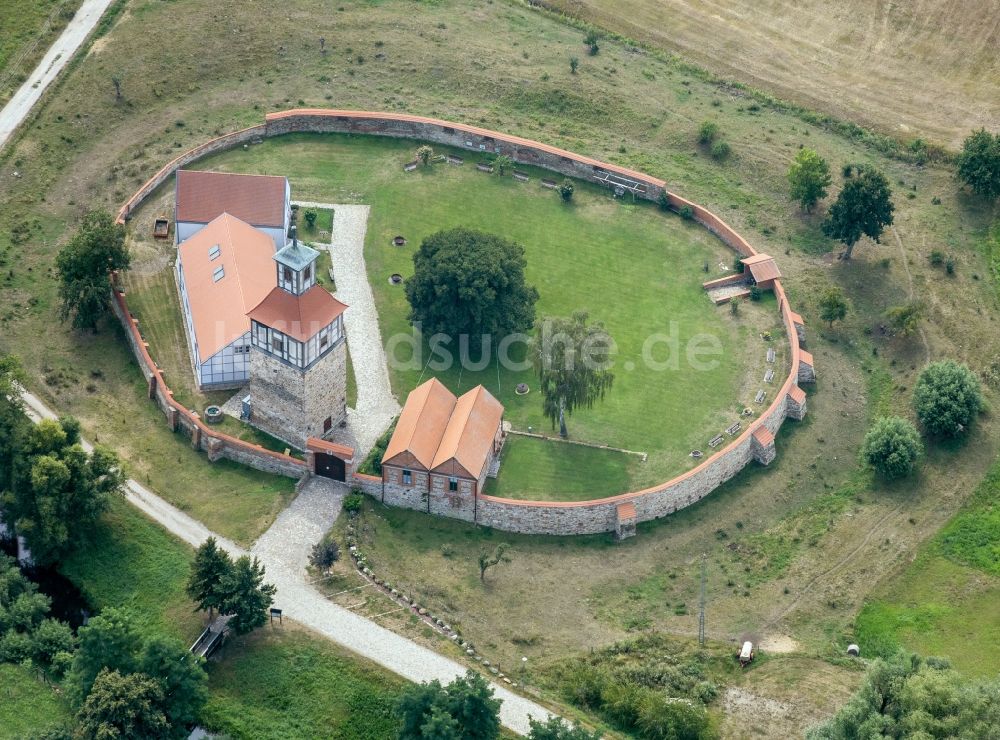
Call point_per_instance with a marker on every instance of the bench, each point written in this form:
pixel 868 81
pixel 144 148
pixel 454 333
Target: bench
pixel 716 441
pixel 410 166
pixel 733 429
pixel 520 176
pixel 759 398
pixel 769 376
pixel 770 354
pixel 452 159
pixel 548 183
pixel 484 167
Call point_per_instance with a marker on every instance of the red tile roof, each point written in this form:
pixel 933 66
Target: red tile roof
pixel 219 307
pixel 805 357
pixel 315 444
pixel 437 429
pixel 763 435
pixel 257 199
pixel 300 317
pixel 798 395
pixel 625 511
pixel 762 267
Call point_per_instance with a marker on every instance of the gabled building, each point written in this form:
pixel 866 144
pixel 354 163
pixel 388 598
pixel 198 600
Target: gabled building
pixel 223 271
pixel 298 357
pixel 263 201
pixel 442 445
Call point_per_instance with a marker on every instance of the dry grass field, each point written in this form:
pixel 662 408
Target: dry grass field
pixel 926 68
pixel 803 543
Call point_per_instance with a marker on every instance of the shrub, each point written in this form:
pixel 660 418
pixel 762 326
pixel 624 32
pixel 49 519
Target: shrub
pixel 847 170
pixel 906 318
pixel 755 293
pixel 566 189
pixel 707 132
pixel 324 554
pixel 936 257
pixel 310 217
pixel 664 718
pixel 734 305
pixel 353 503
pixel 979 163
pixel 50 638
pixel 686 212
pixel 573 64
pixel 949 266
pixel 721 150
pixel 424 154
pixel 947 398
pixel 738 265
pixel 16 647
pixel 663 201
pixel 892 446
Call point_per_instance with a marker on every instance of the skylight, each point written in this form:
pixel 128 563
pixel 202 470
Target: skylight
pixel 218 274
pixel 214 252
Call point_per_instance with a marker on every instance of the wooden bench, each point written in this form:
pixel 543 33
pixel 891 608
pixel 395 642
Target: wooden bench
pixel 410 166
pixel 548 183
pixel 716 441
pixel 520 176
pixel 770 354
pixel 484 167
pixel 759 398
pixel 733 429
pixel 452 159
pixel 769 376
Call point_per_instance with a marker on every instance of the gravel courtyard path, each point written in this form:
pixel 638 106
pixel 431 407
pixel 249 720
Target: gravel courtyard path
pixel 283 550
pixel 376 406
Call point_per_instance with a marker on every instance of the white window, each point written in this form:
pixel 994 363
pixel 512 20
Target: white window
pixel 407 477
pixel 453 484
pixel 219 273
pixel 213 252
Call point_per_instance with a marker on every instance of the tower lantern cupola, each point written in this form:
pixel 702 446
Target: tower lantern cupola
pixel 296 264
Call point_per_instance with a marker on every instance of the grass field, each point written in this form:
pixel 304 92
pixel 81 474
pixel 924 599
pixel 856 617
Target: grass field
pixel 553 471
pixel 27 28
pixel 912 69
pixel 29 707
pixel 281 682
pixel 633 267
pixel 504 66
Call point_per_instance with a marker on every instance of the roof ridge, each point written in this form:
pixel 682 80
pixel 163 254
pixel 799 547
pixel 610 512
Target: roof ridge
pixel 237 174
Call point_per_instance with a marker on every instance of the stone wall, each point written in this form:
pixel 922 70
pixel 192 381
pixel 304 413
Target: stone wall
pixel 506 514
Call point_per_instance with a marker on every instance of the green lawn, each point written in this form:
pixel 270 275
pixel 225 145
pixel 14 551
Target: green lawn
pixel 555 471
pixel 283 683
pixel 27 29
pixel 27 705
pixel 131 561
pixel 629 265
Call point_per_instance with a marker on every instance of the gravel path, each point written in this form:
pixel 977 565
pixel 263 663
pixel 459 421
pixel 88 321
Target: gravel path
pixel 283 550
pixel 376 406
pixel 55 59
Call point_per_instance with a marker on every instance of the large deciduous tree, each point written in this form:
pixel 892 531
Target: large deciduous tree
pixel 808 178
pixel 58 490
pixel 470 282
pixel 832 305
pixel 892 447
pixel 123 706
pixel 465 708
pixel 863 208
pixel 245 595
pixel 84 266
pixel 947 398
pixel 979 163
pixel 572 359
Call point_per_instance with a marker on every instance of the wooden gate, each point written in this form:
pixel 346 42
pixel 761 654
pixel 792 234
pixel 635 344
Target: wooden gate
pixel 330 466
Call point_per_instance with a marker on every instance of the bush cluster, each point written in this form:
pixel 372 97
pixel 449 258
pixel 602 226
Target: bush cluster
pixel 26 631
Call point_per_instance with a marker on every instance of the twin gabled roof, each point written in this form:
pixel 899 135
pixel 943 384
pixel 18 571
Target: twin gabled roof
pixel 228 268
pixel 259 200
pixel 436 428
pixel 762 267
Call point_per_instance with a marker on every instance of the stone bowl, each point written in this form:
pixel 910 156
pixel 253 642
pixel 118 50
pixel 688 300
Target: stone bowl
pixel 399 241
pixel 213 415
pixel 395 279
pixel 697 453
pixel 521 389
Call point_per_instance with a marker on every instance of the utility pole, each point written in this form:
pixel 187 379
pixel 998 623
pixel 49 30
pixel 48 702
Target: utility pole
pixel 701 602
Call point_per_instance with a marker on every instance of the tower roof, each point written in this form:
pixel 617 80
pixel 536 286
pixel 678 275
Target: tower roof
pixel 298 316
pixel 296 255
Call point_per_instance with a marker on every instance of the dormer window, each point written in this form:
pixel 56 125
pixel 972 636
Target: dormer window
pixel 219 273
pixel 214 252
pixel 307 273
pixel 286 273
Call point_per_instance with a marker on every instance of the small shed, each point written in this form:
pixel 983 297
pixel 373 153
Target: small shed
pixel 763 270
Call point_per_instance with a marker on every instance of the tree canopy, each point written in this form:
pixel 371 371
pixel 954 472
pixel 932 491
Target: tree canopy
pixel 892 446
pixel 57 490
pixel 209 568
pixel 979 163
pixel 832 305
pixel 555 728
pixel 808 178
pixel 245 595
pixel 123 706
pixel 863 208
pixel 470 282
pixel 13 421
pixel 907 697
pixel 465 708
pixel 947 398
pixel 84 265
pixel 572 359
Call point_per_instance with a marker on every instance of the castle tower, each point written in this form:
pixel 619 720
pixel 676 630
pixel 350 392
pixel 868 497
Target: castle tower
pixel 298 356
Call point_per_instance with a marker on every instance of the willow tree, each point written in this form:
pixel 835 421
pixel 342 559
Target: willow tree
pixel 573 362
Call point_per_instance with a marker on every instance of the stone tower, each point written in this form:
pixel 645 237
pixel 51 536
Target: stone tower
pixel 298 356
